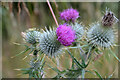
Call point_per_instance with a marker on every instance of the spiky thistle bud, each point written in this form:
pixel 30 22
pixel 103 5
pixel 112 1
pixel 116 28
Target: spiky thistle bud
pixel 100 36
pixel 31 35
pixel 69 15
pixel 65 34
pixel 79 30
pixel 49 44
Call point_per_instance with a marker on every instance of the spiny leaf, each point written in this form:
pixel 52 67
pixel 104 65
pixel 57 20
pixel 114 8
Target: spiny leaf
pixel 83 61
pixel 26 69
pixel 42 59
pixel 76 62
pixel 78 47
pixel 28 54
pixel 55 69
pixel 90 72
pixel 21 52
pixel 114 55
pixel 73 73
pixel 88 62
pixel 20 44
pixel 98 75
pixel 43 65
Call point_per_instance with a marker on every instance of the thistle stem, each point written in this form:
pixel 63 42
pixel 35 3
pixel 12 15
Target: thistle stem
pixel 52 13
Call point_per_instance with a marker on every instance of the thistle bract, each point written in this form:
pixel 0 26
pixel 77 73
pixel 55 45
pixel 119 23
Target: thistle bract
pixel 49 44
pixel 66 35
pixel 69 14
pixel 31 36
pixel 79 30
pixel 100 36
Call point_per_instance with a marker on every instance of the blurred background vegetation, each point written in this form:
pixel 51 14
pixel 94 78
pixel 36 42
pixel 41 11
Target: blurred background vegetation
pixel 19 16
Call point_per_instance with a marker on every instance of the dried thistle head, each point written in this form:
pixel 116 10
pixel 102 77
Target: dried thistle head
pixel 109 19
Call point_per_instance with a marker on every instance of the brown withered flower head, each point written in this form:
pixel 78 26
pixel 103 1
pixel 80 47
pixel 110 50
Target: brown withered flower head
pixel 109 19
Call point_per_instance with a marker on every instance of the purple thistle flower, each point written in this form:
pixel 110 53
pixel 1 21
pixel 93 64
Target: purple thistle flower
pixel 65 35
pixel 69 14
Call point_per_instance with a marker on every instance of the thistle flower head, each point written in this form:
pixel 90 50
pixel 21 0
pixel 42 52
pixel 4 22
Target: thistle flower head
pixel 65 35
pixel 49 44
pixel 31 36
pixel 100 36
pixel 109 19
pixel 79 30
pixel 69 14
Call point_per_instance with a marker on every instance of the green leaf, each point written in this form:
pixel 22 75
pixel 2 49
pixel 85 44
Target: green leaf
pixel 21 52
pixel 43 65
pixel 90 72
pixel 76 62
pixel 88 62
pixel 98 75
pixel 55 69
pixel 77 47
pixel 73 73
pixel 28 54
pixel 35 76
pixel 26 69
pixel 20 44
pixel 42 59
pixel 83 61
pixel 114 55
pixel 72 64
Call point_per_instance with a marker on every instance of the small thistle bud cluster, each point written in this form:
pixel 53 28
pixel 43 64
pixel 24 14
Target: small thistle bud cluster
pixel 49 44
pixel 31 36
pixel 69 15
pixel 65 35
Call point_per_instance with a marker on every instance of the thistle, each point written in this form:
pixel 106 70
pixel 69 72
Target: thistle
pixel 65 34
pixel 69 15
pixel 49 44
pixel 102 34
pixel 79 30
pixel 31 35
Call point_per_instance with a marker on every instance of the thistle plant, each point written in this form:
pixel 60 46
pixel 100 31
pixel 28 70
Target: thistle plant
pixel 53 42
